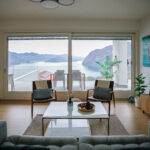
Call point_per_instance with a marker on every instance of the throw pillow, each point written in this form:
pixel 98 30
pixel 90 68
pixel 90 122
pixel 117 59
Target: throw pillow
pixel 40 94
pixel 102 93
pixel 23 147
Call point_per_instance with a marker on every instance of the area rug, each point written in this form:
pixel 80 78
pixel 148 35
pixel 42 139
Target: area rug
pixel 97 126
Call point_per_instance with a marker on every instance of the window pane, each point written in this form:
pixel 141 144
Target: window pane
pixel 37 58
pixel 101 58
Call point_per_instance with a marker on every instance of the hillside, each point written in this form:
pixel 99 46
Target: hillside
pixel 19 58
pixel 89 61
pixel 99 55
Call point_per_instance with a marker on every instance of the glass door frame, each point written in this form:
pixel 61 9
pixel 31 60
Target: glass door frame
pixel 21 94
pixel 134 68
pixel 27 95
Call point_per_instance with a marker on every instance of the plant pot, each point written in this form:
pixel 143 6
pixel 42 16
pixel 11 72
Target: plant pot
pixel 137 101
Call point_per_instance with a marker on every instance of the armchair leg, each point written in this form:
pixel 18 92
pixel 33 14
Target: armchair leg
pixel 54 83
pixel 114 101
pixel 55 95
pixel 109 108
pixel 32 110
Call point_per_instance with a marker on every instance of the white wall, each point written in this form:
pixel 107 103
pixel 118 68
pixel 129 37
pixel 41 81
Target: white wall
pixel 63 26
pixel 69 25
pixel 144 31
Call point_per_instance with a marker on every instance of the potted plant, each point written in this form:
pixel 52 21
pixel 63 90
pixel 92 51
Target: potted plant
pixel 139 88
pixel 106 67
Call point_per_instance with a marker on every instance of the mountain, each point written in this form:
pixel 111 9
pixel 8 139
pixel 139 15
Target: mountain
pixel 89 61
pixel 99 55
pixel 19 58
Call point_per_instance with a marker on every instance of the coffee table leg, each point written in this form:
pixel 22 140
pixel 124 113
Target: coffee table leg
pixel 108 127
pixel 42 126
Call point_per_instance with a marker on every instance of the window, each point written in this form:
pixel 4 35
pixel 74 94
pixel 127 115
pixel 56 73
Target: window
pixel 46 57
pixel 37 58
pixel 102 58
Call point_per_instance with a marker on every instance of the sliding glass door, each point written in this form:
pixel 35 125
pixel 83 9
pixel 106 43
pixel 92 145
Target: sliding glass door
pixel 105 58
pixel 71 61
pixel 37 58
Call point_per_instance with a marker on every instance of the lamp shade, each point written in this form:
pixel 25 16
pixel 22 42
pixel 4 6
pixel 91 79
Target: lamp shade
pixel 49 3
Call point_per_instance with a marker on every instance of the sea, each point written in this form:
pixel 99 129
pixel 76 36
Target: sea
pixel 26 68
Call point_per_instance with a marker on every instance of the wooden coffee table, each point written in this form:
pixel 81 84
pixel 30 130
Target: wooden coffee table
pixel 61 110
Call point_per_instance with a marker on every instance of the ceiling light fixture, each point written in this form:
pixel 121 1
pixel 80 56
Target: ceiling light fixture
pixel 54 3
pixel 49 4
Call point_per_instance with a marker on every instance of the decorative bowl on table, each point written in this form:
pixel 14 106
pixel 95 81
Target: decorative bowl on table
pixel 86 107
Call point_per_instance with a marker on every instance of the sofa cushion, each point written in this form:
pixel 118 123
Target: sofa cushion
pixel 23 147
pixel 113 142
pixel 40 94
pixel 3 131
pixel 85 146
pixel 93 140
pixel 102 93
pixel 54 143
pixel 134 148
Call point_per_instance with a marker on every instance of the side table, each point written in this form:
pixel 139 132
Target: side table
pixel 145 103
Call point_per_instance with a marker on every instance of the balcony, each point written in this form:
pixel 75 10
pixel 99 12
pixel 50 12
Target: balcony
pixel 21 80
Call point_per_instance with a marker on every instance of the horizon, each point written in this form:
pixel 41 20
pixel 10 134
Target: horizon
pixel 56 47
pixel 52 54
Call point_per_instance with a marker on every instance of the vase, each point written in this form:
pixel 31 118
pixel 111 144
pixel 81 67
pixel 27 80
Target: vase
pixel 88 105
pixel 137 101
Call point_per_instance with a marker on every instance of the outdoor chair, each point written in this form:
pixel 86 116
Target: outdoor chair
pixel 59 75
pixel 103 92
pixel 78 76
pixel 42 92
pixel 11 82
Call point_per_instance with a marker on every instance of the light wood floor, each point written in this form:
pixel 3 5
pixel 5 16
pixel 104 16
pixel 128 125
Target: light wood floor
pixel 18 116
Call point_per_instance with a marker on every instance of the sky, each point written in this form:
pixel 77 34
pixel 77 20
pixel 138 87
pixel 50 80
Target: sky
pixel 80 47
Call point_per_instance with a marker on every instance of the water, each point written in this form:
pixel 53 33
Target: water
pixel 23 77
pixel 22 69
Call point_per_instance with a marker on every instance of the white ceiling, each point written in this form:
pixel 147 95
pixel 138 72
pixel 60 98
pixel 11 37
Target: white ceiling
pixel 81 9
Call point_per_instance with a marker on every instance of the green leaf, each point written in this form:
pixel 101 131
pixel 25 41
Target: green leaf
pixel 139 84
pixel 136 89
pixel 107 65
